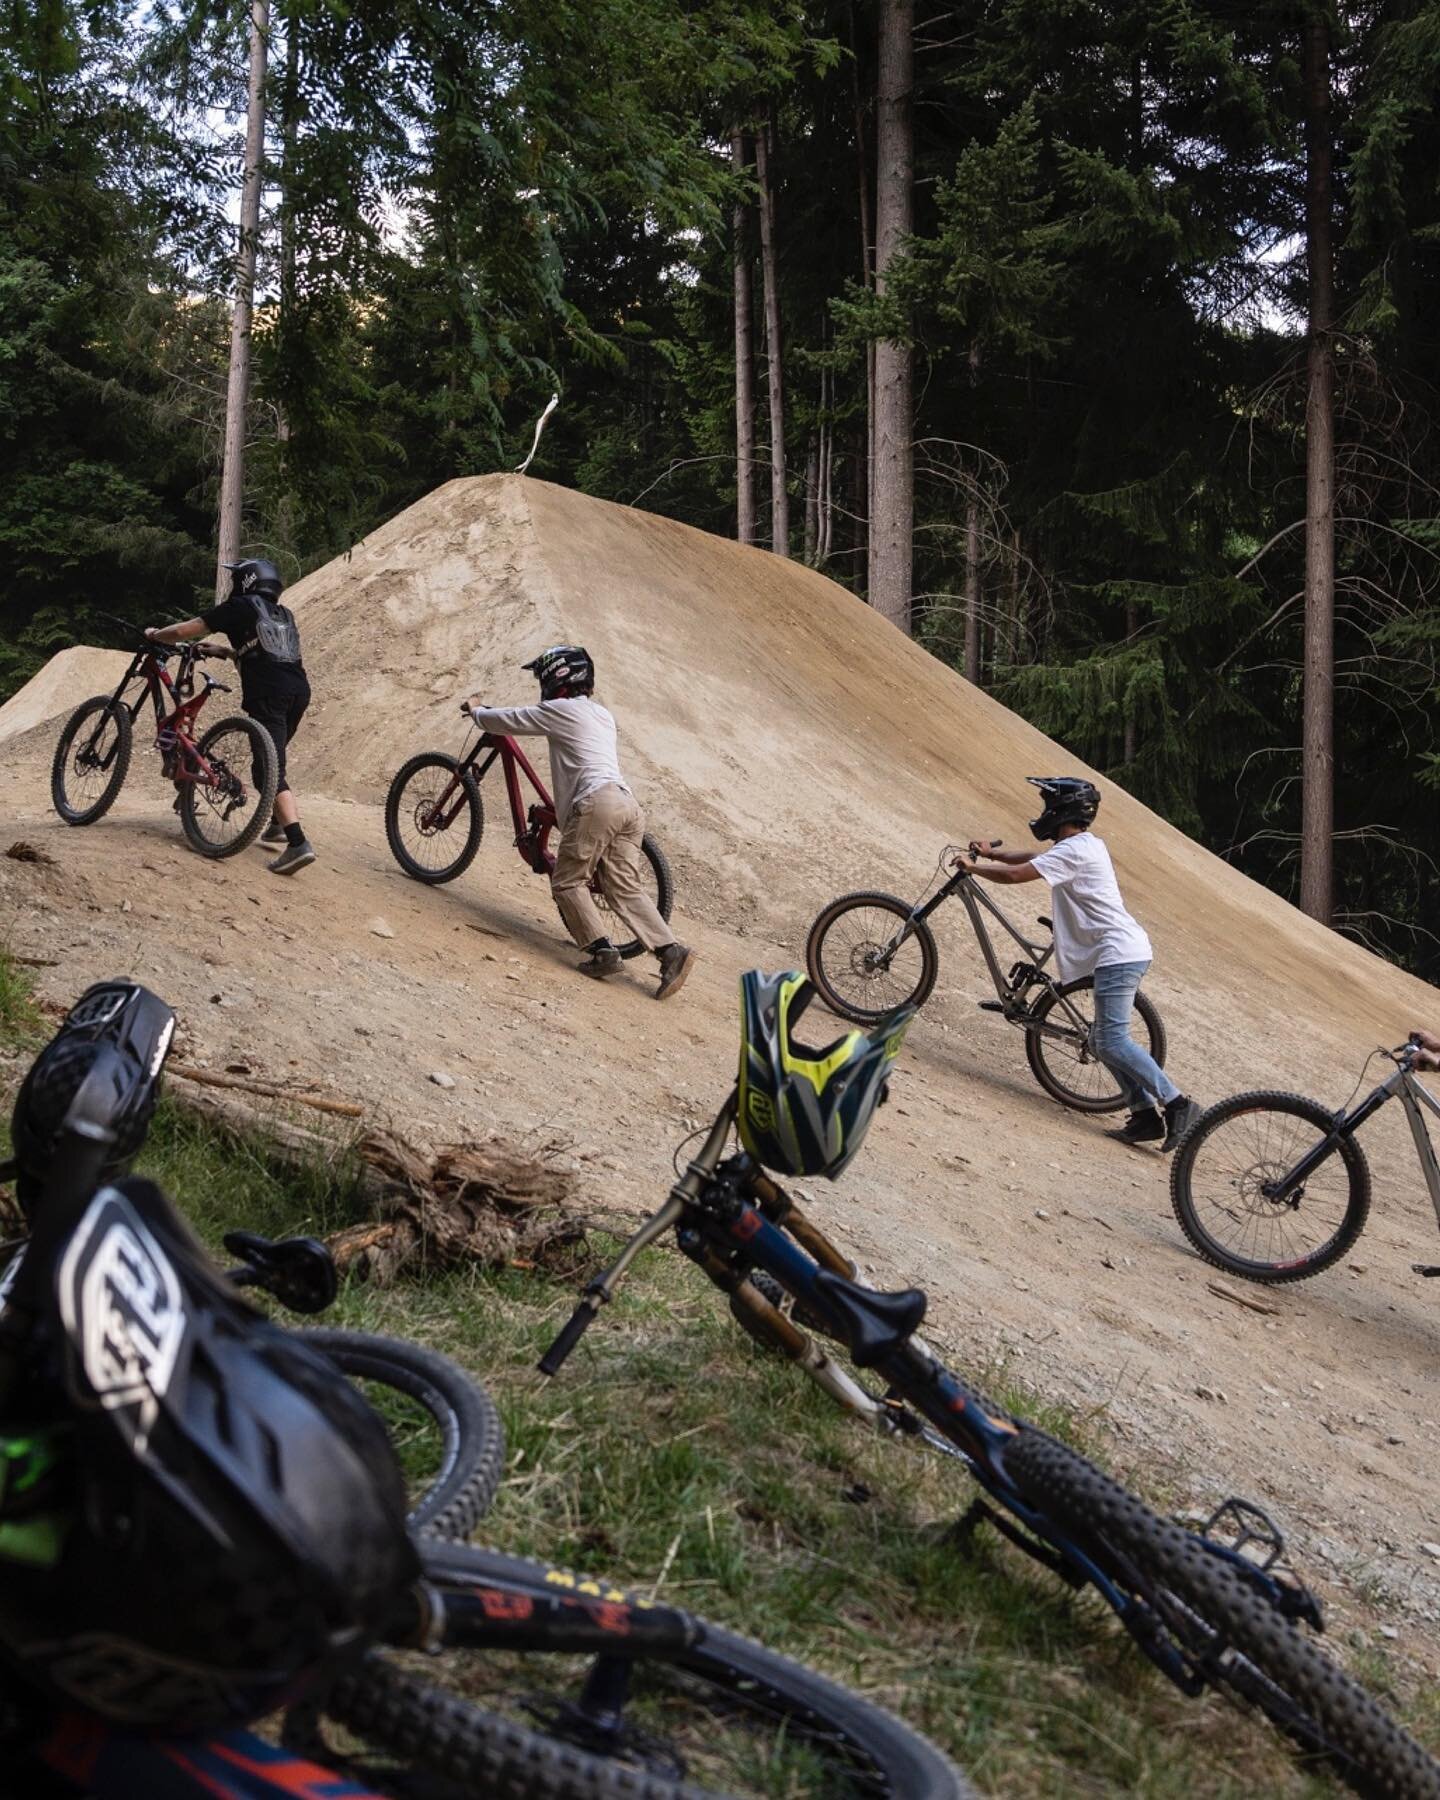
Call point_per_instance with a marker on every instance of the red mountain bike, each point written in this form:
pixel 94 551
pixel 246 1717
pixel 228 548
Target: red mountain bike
pixel 225 783
pixel 434 820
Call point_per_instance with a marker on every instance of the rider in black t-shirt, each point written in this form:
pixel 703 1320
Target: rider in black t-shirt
pixel 273 685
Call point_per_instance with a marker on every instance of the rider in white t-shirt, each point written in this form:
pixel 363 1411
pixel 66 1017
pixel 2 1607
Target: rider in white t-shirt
pixel 1096 936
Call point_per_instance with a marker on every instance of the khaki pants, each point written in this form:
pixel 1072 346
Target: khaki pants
pixel 604 832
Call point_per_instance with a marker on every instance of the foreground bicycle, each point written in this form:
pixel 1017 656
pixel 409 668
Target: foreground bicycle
pixel 1273 1187
pixel 1214 1608
pixel 145 1412
pixel 225 781
pixel 869 953
pixel 434 820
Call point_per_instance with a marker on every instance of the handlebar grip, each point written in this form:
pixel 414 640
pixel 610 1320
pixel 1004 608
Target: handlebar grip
pixel 574 1329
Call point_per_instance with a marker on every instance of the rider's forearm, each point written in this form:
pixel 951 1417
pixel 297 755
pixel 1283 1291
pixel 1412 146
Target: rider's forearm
pixel 511 721
pixel 1020 871
pixel 1013 857
pixel 176 634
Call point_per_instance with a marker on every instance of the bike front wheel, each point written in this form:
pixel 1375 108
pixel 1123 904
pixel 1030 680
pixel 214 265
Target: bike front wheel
pixel 434 818
pixel 867 956
pixel 1223 1188
pixel 1225 1631
pixel 1057 1046
pixel 722 1716
pixel 421 1394
pixel 223 813
pixel 91 760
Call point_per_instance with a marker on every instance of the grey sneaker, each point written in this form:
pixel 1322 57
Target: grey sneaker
pixel 603 961
pixel 274 833
pixel 293 858
pixel 1180 1115
pixel 676 962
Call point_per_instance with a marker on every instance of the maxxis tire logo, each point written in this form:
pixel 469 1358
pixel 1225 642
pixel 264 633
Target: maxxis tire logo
pixel 124 1314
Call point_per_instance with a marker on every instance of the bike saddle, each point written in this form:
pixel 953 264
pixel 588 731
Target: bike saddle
pixel 874 1324
pixel 299 1272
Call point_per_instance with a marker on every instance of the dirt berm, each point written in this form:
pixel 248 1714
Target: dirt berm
pixel 789 745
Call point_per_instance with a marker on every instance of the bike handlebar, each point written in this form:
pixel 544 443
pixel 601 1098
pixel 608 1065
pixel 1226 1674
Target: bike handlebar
pixel 571 1333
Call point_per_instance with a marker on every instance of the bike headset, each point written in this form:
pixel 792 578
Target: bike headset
pixel 563 671
pixel 1069 800
pixel 200 1518
pixel 805 1111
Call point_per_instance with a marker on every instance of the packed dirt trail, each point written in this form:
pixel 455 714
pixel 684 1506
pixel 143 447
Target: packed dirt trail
pixel 789 746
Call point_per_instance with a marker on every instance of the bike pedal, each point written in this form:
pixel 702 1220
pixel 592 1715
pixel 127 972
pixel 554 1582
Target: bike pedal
pixel 1428 1269
pixel 991 1005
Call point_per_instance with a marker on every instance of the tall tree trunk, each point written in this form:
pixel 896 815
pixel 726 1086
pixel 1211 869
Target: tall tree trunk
pixel 972 588
pixel 972 554
pixel 812 498
pixel 1132 625
pixel 237 397
pixel 892 480
pixel 867 275
pixel 1317 825
pixel 779 495
pixel 745 523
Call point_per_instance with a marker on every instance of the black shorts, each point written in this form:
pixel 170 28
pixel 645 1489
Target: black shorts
pixel 281 716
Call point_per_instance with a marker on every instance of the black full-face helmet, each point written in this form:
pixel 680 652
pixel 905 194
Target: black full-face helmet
pixel 1069 800
pixel 563 671
pixel 255 576
pixel 199 1515
pixel 804 1111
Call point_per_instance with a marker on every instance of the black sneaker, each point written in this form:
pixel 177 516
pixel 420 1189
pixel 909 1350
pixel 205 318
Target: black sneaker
pixel 1143 1127
pixel 1180 1114
pixel 676 962
pixel 274 833
pixel 603 961
pixel 293 858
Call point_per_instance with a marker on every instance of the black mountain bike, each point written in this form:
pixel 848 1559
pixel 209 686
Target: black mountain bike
pixel 1274 1187
pixel 871 953
pixel 586 1692
pixel 1214 1608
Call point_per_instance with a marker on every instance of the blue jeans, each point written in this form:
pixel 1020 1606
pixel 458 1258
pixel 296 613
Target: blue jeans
pixel 1142 1081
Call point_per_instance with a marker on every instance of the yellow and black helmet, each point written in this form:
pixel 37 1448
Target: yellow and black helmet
pixel 804 1111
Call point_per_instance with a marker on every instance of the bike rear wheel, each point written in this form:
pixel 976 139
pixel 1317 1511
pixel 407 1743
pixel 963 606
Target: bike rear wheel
pixel 861 968
pixel 1065 1066
pixel 661 892
pixel 723 1716
pixel 434 818
pixel 225 815
pixel 91 760
pixel 454 1496
pixel 1217 1188
pixel 1228 1633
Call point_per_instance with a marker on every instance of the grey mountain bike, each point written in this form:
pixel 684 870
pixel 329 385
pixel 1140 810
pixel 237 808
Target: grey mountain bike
pixel 1274 1187
pixel 870 953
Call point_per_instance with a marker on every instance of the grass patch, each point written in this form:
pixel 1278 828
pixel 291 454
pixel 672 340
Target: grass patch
pixel 669 1443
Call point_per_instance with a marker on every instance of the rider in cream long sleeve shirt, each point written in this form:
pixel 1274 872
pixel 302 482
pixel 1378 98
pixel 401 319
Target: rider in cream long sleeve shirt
pixel 581 735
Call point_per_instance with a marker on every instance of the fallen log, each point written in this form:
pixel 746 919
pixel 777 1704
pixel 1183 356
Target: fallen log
pixel 343 1109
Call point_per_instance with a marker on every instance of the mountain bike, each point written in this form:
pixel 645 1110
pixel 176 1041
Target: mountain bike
pixel 1217 1607
pixel 224 781
pixel 434 820
pixel 1274 1187
pixel 585 1690
pixel 871 953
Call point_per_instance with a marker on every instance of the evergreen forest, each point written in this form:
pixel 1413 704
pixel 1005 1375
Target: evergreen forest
pixel 1095 345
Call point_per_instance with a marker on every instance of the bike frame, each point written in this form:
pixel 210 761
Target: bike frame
pixel 533 825
pixel 731 1219
pixel 107 1764
pixel 178 726
pixel 1413 1097
pixel 1010 989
